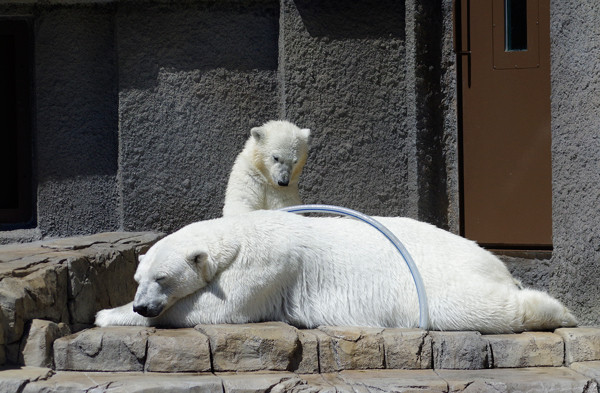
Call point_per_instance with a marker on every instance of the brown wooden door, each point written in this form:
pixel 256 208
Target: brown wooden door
pixel 504 73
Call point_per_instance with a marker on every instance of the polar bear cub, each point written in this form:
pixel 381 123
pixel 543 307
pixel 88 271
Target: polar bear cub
pixel 265 174
pixel 311 271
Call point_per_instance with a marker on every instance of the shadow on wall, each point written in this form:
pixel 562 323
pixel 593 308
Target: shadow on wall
pixel 195 37
pixel 353 19
pixel 76 94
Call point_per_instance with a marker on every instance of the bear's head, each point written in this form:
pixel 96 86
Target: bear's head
pixel 281 150
pixel 177 266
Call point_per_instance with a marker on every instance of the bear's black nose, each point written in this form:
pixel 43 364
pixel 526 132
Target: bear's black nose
pixel 283 183
pixel 142 310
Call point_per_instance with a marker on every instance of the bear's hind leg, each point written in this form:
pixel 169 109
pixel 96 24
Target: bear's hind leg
pixel 540 311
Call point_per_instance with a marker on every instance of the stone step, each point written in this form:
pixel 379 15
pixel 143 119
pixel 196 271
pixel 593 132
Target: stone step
pixel 532 379
pixel 275 346
pixel 66 281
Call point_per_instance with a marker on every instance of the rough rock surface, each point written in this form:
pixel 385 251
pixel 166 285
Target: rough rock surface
pixel 407 348
pixel 37 344
pixel 346 348
pixel 65 281
pixel 16 380
pixel 178 350
pixel 459 350
pixel 117 348
pixel 542 379
pixel 581 344
pixel 526 350
pixel 554 379
pixel 250 347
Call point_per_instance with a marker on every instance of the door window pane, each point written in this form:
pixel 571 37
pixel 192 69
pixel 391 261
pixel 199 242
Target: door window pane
pixel 515 17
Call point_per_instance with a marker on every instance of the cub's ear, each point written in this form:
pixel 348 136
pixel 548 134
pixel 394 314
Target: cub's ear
pixel 305 133
pixel 258 133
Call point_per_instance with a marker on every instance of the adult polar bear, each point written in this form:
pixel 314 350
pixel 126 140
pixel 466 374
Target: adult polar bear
pixel 265 174
pixel 272 265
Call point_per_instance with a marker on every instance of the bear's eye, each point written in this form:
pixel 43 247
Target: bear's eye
pixel 161 278
pixel 276 158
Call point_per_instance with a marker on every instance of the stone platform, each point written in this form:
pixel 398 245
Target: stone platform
pixel 539 380
pixel 65 281
pixel 275 357
pixel 50 291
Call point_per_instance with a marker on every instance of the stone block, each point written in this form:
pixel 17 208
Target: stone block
pixel 178 350
pixel 117 348
pixel 252 347
pixel 407 349
pixel 102 280
pixel 350 348
pixel 41 294
pixel 534 379
pixel 529 349
pixel 129 382
pixel 259 382
pixel 327 383
pixel 459 350
pixel 581 344
pixel 309 356
pixel 37 344
pixel 589 369
pixel 14 380
pixel 393 380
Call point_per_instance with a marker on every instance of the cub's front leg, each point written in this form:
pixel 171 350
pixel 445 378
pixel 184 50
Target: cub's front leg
pixel 121 316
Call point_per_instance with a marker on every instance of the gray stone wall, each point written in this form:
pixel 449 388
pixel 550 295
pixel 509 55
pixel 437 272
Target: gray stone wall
pixel 193 80
pixel 344 75
pixel 576 155
pixel 76 136
pixel 571 272
pixel 141 108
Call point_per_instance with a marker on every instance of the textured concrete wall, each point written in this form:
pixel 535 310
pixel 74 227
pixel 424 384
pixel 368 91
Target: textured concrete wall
pixel 435 112
pixel 343 71
pixel 193 80
pixel 141 110
pixel 76 123
pixel 571 273
pixel 576 155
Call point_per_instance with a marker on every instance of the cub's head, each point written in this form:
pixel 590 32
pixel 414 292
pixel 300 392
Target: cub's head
pixel 281 149
pixel 180 265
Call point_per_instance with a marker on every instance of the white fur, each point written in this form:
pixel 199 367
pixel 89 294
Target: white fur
pixel 270 265
pixel 265 174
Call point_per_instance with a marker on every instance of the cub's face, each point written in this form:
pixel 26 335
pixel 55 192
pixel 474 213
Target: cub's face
pixel 282 149
pixel 282 163
pixel 166 274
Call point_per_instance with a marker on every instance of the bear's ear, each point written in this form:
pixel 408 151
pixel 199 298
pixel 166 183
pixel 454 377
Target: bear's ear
pixel 305 133
pixel 257 133
pixel 200 259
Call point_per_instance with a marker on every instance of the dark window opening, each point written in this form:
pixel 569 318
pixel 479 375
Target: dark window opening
pixel 515 17
pixel 15 124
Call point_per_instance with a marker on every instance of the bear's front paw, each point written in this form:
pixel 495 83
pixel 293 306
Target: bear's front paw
pixel 104 318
